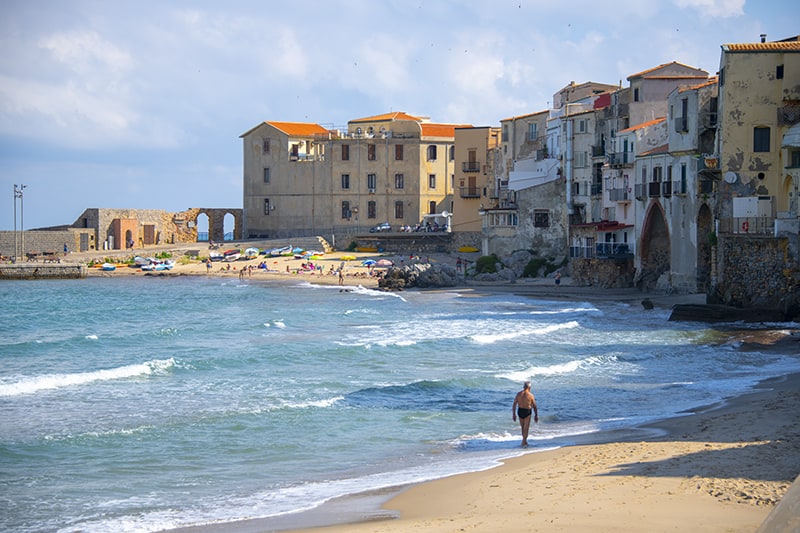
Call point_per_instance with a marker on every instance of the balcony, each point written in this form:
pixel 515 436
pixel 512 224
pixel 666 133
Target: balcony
pixel 618 159
pixel 666 189
pixel 586 252
pixel 748 225
pixel 705 186
pixel 598 151
pixel 597 189
pixel 619 195
pixel 654 189
pixel 682 124
pixel 612 249
pixel 469 192
pixel 679 187
pixel 639 191
pixel 470 166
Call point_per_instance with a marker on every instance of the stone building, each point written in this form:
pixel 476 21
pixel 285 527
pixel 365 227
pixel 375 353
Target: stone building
pixel 475 184
pixel 303 179
pixel 757 216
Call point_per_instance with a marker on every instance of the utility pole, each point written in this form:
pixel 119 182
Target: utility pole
pixel 19 249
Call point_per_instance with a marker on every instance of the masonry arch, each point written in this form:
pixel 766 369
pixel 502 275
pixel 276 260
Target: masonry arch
pixel 705 228
pixel 220 223
pixel 654 247
pixel 202 224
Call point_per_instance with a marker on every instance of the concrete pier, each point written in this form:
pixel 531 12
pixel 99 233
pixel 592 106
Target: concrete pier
pixel 42 271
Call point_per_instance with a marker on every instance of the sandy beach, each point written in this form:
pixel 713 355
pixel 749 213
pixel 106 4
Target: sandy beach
pixel 722 468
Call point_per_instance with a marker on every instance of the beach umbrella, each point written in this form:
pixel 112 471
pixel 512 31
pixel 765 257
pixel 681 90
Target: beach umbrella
pixel 384 263
pixel 368 262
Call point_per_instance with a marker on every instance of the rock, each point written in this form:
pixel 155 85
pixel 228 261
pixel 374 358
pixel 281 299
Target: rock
pixel 647 303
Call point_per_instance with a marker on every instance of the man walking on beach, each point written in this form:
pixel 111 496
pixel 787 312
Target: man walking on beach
pixel 524 404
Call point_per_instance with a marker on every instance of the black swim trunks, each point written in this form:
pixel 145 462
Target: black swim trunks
pixel 523 413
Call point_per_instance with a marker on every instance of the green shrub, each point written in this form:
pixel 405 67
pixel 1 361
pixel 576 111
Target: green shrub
pixel 486 264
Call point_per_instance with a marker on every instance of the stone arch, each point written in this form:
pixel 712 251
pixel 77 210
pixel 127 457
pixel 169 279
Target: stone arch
pixel 216 222
pixel 654 248
pixel 705 227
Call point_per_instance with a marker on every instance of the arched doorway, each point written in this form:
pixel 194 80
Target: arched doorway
pixel 705 240
pixel 655 248
pixel 229 226
pixel 203 234
pixel 128 239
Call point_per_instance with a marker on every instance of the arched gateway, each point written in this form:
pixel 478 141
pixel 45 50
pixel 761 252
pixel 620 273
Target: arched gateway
pixel 654 247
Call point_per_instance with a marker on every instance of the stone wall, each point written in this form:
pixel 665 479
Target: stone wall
pixel 604 273
pixel 40 271
pixel 38 241
pixel 406 243
pixel 758 271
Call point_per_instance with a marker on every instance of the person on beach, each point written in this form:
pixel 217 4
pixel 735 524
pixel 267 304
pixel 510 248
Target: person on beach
pixel 558 278
pixel 524 404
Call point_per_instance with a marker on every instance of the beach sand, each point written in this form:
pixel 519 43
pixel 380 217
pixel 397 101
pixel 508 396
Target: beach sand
pixel 722 468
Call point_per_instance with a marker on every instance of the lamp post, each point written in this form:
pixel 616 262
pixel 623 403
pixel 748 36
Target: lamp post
pixel 19 250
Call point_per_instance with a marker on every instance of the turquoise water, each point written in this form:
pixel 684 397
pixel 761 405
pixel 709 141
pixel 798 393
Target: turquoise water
pixel 148 403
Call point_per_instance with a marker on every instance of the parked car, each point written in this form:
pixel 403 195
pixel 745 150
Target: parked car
pixel 380 228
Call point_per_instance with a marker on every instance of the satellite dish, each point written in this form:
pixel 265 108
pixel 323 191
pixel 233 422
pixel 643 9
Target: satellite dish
pixel 445 214
pixel 730 177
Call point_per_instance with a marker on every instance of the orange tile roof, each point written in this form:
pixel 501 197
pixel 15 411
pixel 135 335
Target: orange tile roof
pixel 711 81
pixel 643 125
pixel 663 149
pixel 781 46
pixel 387 117
pixel 441 130
pixel 298 129
pixel 648 71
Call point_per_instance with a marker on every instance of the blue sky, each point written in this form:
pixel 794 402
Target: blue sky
pixel 141 104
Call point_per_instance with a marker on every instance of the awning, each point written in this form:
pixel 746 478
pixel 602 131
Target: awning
pixel 530 173
pixel 791 139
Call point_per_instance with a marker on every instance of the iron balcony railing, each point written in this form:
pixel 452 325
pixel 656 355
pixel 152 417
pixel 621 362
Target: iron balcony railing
pixel 619 195
pixel 747 225
pixel 654 189
pixel 470 166
pixel 470 192
pixel 612 249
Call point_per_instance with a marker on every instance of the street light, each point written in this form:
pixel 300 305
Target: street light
pixel 18 194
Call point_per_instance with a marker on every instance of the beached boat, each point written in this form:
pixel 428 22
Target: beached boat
pixel 232 255
pixel 275 252
pixel 215 256
pixel 467 249
pixel 108 267
pixel 251 253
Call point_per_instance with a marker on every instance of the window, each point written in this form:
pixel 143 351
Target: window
pixel 345 152
pixel 345 209
pixel 371 152
pixel 760 139
pixel 398 181
pixel 432 152
pixel 398 152
pixel 372 211
pixel 372 182
pixel 452 153
pixel 779 72
pixel 532 131
pixel 541 218
pixel 644 174
pixel 683 178
pixel 582 125
pixel 503 219
pixel 581 159
pixel 266 174
pixel 345 181
pixel 432 207
pixel 794 159
pixel 636 94
pixel 398 209
pixel 505 133
pixel 295 153
pixel 267 206
pixel 658 173
pixel 265 146
pixel 431 181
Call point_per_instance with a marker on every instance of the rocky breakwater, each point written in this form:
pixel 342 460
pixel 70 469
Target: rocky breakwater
pixel 420 276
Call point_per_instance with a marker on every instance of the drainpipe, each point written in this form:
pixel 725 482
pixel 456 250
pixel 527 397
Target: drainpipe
pixel 568 165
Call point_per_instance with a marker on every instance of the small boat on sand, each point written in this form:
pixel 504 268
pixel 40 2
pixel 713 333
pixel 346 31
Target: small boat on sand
pixel 108 267
pixel 232 255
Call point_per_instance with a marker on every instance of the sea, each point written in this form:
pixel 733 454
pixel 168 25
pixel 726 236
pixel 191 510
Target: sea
pixel 136 404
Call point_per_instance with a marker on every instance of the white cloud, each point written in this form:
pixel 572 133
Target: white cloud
pixel 85 52
pixel 714 8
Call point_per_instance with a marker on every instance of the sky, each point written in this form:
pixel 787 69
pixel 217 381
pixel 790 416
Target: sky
pixel 140 104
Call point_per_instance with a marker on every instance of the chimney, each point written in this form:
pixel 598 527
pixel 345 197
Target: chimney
pixel 763 37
